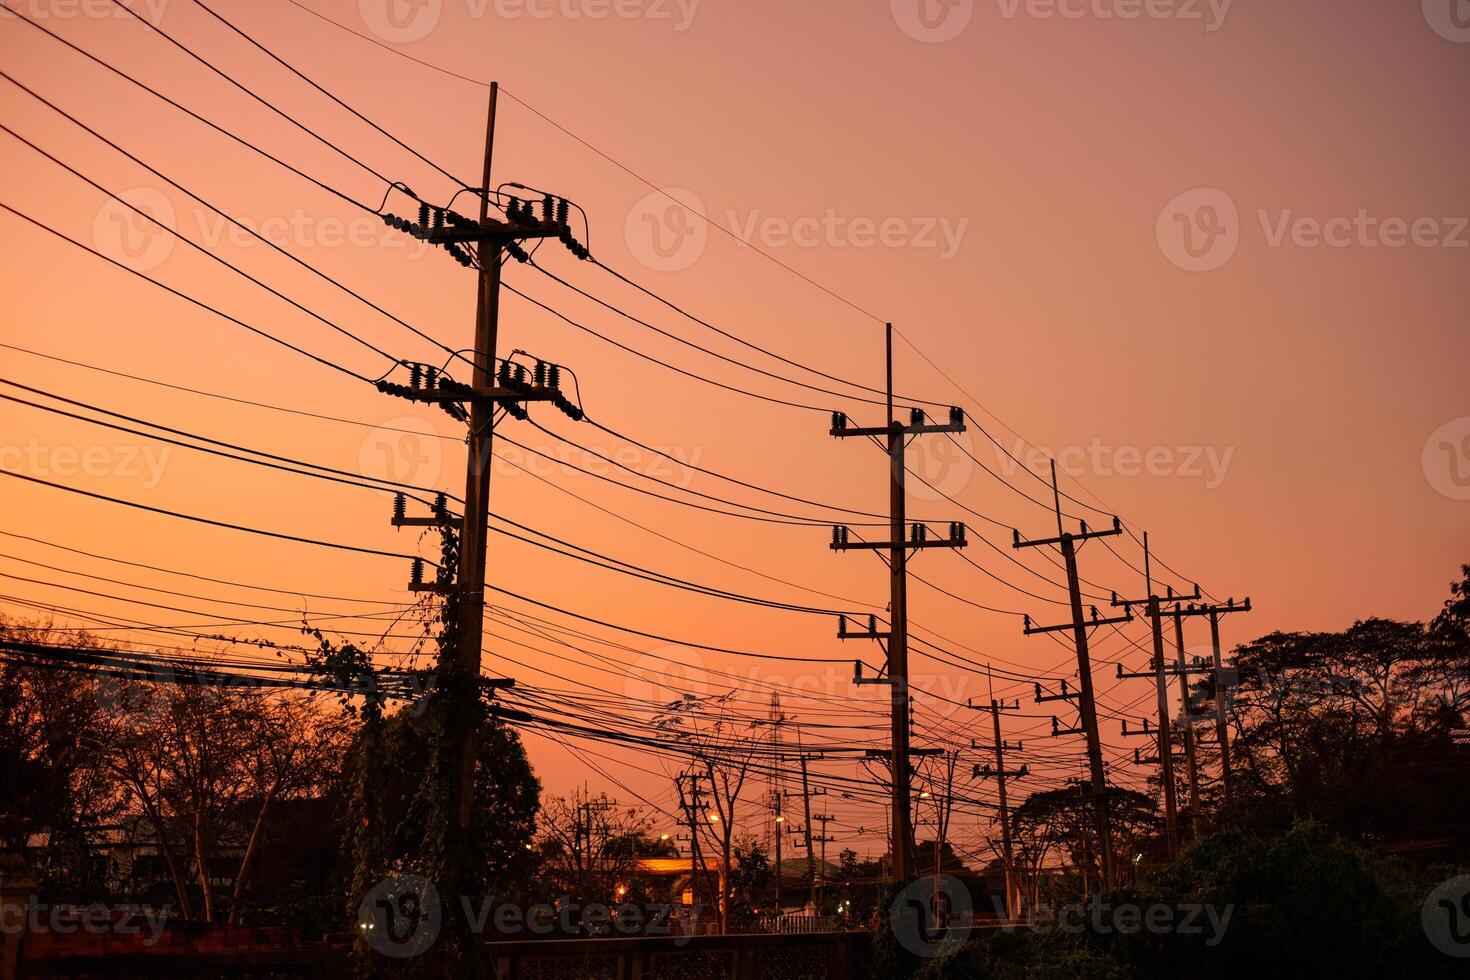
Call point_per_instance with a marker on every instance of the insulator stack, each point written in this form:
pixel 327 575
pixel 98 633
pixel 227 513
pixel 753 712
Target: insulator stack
pixel 416 573
pixel 441 505
pixel 561 211
pixel 916 416
pixel 400 506
pixel 956 415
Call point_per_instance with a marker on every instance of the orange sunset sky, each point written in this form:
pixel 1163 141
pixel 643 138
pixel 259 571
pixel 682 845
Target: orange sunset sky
pixel 1211 256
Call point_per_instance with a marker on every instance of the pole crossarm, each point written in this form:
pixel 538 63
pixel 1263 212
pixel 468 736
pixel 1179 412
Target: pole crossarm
pixel 918 538
pixel 917 425
pixel 1169 596
pixel 1058 730
pixel 1066 695
pixel 1218 609
pixel 1083 535
pixel 1028 629
pixel 871 633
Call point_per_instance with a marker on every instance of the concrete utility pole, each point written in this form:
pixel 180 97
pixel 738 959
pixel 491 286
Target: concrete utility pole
pixel 1067 542
pixel 806 803
pixel 898 546
pixel 482 243
pixel 823 838
pixel 1001 774
pixel 1154 604
pixel 1223 679
pixel 1186 715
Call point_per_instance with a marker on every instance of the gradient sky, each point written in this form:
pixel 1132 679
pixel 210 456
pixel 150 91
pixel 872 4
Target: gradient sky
pixel 1228 240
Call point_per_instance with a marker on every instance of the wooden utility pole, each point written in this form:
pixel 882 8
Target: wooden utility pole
pixel 1067 542
pixel 902 539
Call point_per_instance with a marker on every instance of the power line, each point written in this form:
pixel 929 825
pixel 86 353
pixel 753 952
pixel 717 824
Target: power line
pixel 185 296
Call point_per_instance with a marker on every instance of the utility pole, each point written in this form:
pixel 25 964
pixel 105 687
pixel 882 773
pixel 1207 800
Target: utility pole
pixel 1223 679
pixel 901 540
pixel 691 802
pixel 823 838
pixel 780 822
pixel 1001 775
pixel 1186 715
pixel 1067 542
pixel 776 720
pixel 481 244
pixel 806 803
pixel 582 828
pixel 1154 603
